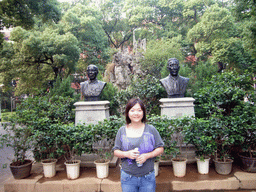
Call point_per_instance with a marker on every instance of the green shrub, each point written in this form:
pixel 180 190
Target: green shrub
pixel 108 94
pixel 200 133
pixel 223 93
pixel 231 119
pixel 170 131
pixel 149 90
pixel 62 87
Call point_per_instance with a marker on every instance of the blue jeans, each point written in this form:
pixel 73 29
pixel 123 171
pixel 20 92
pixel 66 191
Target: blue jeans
pixel 146 183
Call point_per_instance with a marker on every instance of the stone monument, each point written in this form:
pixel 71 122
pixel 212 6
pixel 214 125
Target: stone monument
pixel 91 110
pixel 91 89
pixel 176 105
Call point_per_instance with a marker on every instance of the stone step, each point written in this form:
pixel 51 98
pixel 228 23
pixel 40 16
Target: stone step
pixel 238 180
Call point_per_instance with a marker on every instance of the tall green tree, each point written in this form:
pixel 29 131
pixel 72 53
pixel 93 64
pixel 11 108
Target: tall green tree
pixel 36 57
pixel 116 25
pixel 22 12
pixel 85 23
pixel 218 38
pixel 245 12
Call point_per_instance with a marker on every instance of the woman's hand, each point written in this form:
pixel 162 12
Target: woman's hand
pixel 142 158
pixel 132 154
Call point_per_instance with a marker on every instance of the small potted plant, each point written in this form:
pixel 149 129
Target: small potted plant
pixel 244 119
pixel 103 141
pixel 162 124
pixel 74 142
pixel 179 161
pixel 19 139
pixel 46 147
pixel 225 139
pixel 198 133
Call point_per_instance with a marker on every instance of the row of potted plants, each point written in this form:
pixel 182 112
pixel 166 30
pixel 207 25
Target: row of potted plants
pixel 57 141
pixel 226 120
pixel 213 137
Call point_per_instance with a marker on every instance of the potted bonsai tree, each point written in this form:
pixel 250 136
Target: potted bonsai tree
pixel 218 101
pixel 104 134
pixel 244 119
pixel 179 161
pixel 75 140
pixel 19 139
pixel 46 147
pixel 199 133
pixel 225 139
pixel 162 124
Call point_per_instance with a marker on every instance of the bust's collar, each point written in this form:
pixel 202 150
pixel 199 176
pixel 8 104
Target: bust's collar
pixel 93 81
pixel 173 77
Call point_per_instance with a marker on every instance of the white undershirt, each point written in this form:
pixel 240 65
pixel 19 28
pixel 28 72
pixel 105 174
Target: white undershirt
pixel 134 132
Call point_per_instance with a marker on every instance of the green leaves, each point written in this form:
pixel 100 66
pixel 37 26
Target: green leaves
pixel 23 13
pixel 228 118
pixel 223 93
pixel 199 133
pixel 148 89
pixel 37 57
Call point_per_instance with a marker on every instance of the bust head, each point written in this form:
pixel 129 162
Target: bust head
pixel 92 72
pixel 173 66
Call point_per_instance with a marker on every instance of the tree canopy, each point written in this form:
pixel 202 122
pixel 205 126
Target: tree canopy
pixel 23 12
pixel 53 39
pixel 35 57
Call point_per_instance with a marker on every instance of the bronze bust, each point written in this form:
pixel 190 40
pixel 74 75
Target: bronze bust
pixel 91 89
pixel 174 84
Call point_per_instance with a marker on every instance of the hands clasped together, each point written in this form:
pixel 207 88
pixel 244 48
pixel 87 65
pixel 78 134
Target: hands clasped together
pixel 135 154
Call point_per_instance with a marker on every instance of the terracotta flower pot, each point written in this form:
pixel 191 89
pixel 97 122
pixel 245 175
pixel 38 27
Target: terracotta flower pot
pixel 21 171
pixel 223 168
pixel 248 163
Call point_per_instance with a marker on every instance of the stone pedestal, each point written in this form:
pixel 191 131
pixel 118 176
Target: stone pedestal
pixel 88 112
pixel 177 107
pixel 91 112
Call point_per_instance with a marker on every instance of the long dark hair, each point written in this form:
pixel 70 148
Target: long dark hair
pixel 130 104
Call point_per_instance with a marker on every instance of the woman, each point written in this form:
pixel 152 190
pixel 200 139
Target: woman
pixel 137 144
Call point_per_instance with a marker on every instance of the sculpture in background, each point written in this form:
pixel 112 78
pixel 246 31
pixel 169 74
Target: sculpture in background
pixel 174 84
pixel 126 65
pixel 92 88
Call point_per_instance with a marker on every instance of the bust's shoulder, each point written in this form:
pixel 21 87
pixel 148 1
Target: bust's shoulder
pixel 184 78
pixel 166 79
pixel 101 82
pixel 83 83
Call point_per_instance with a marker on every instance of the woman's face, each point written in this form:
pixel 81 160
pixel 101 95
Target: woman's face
pixel 135 113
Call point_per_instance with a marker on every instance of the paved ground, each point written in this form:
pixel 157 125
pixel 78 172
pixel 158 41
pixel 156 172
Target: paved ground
pixel 6 156
pixel 166 181
pixel 236 181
